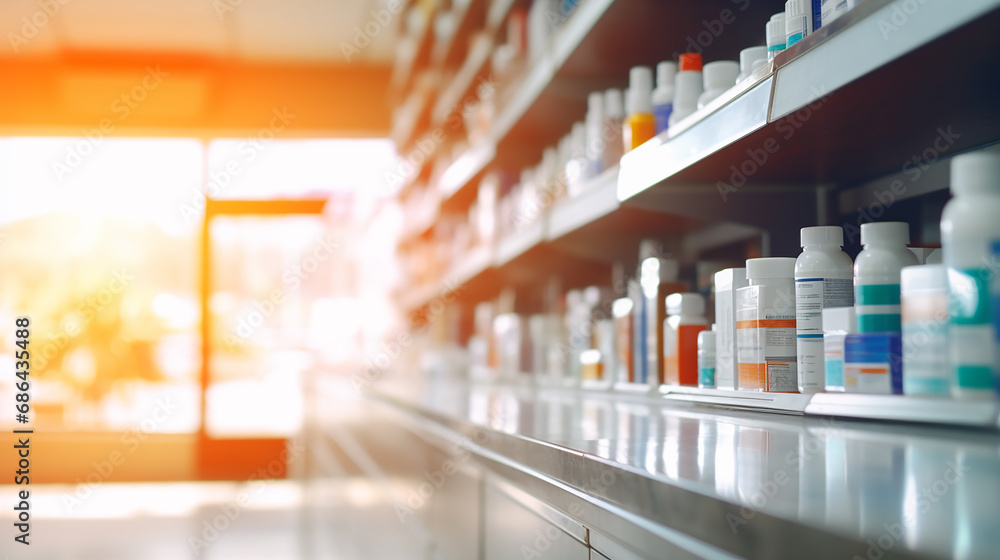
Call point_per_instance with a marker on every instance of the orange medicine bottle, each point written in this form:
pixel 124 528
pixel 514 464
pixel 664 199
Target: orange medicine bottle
pixel 640 125
pixel 685 319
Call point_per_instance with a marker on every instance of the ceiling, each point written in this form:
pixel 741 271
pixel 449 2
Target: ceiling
pixel 306 31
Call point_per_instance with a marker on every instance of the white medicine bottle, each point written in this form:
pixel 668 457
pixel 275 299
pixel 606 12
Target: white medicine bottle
pixel 970 243
pixel 824 276
pixel 877 273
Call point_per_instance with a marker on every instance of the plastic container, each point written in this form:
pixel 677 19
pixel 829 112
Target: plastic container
pixel 688 86
pixel 640 124
pixel 833 9
pixel 798 21
pixel 750 58
pixel 622 309
pixel 823 278
pixel 578 167
pixel 970 236
pixel 663 95
pixel 719 77
pixel 838 322
pixel 775 33
pixel 726 283
pixel 765 327
pixel 507 340
pixel 614 121
pixel 924 304
pixel 539 26
pixel 876 275
pixel 706 358
pixel 873 363
pixel 657 279
pixel 685 319
pixel 594 131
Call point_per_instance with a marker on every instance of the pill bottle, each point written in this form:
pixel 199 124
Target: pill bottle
pixel 823 278
pixel 663 95
pixel 688 86
pixel 765 327
pixel 876 275
pixel 706 358
pixel 775 33
pixel 685 319
pixel 719 77
pixel 924 313
pixel 640 124
pixel 970 245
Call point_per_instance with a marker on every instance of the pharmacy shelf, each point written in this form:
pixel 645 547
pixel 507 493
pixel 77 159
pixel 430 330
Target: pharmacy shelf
pixel 897 408
pixel 528 237
pixel 598 199
pixel 906 409
pixel 788 403
pixel 412 118
pixel 585 54
pixel 737 483
pixel 594 226
pixel 826 103
pixel 462 85
pixel 469 15
pixel 496 14
pixel 463 276
pixel 404 70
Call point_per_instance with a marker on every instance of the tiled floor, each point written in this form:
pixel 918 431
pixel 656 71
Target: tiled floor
pixel 274 520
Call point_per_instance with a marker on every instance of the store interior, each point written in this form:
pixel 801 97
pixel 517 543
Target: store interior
pixel 497 279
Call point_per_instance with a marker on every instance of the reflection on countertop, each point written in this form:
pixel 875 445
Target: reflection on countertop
pixel 928 489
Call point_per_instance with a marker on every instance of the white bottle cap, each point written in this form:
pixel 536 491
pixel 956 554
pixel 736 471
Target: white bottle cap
pixel 822 235
pixel 595 105
pixel 640 86
pixel 622 307
pixel 748 57
pixel 976 172
pixel 686 304
pixel 665 72
pixel 629 108
pixel 613 105
pixel 923 277
pixel 885 233
pixel 573 298
pixel 706 341
pixel 720 74
pixel 770 267
pixel 840 319
pixel 776 31
pixel 592 295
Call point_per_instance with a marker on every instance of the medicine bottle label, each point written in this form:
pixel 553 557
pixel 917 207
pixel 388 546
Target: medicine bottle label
pixel 765 339
pixel 878 308
pixel 662 115
pixel 812 295
pixel 867 378
pixel 834 361
pixel 973 334
pixel 925 344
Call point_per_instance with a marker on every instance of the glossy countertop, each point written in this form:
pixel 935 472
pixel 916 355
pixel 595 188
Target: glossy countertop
pixel 740 480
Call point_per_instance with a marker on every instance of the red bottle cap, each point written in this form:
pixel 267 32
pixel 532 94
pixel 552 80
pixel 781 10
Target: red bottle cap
pixel 690 61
